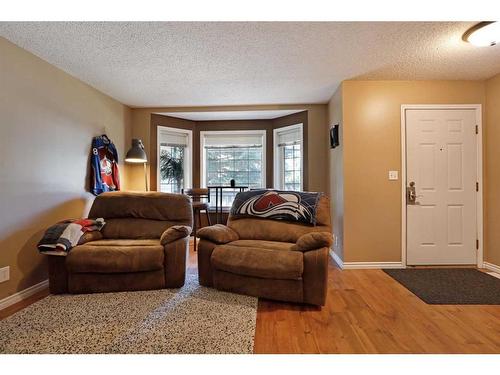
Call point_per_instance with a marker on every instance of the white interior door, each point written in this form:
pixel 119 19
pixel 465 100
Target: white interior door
pixel 441 160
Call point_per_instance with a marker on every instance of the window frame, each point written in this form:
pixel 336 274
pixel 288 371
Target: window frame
pixel 278 174
pixel 203 162
pixel 188 155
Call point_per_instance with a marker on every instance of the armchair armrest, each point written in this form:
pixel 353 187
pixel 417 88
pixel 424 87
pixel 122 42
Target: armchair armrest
pixel 218 233
pixel 174 233
pixel 313 241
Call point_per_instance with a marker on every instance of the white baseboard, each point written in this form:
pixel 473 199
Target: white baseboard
pixel 336 259
pixel 371 265
pixel 23 294
pixel 491 267
pixel 363 265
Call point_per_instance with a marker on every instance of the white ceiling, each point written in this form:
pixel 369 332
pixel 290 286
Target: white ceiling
pixel 153 64
pixel 231 115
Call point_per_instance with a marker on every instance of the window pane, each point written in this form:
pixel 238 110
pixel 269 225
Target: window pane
pixel 289 177
pixel 255 153
pixel 288 152
pixel 171 168
pixel 289 164
pixel 296 164
pixel 243 164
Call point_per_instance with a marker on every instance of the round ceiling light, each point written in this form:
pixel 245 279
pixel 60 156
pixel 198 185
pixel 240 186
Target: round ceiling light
pixel 483 34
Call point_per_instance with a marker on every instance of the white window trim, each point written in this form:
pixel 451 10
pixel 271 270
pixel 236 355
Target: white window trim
pixel 278 178
pixel 235 133
pixel 188 161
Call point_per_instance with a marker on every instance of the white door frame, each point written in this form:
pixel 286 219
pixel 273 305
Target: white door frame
pixel 479 150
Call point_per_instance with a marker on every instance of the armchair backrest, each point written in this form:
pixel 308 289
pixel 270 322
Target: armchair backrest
pixel 279 230
pixel 141 215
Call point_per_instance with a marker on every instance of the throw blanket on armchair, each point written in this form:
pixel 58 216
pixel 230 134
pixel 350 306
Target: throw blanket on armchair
pixel 277 205
pixel 60 238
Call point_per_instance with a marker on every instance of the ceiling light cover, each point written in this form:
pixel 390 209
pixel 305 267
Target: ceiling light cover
pixel 483 34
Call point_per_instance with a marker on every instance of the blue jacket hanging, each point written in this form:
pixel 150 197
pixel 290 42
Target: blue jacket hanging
pixel 104 166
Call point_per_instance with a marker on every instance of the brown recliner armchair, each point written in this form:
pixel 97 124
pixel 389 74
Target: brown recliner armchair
pixel 273 259
pixel 142 246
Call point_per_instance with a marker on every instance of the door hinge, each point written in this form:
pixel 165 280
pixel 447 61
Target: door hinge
pixel 477 186
pixel 477 129
pixel 477 244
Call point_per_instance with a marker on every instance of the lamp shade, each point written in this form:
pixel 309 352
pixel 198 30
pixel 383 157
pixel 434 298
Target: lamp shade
pixel 136 154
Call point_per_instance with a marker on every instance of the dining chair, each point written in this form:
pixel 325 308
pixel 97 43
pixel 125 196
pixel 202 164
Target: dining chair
pixel 201 200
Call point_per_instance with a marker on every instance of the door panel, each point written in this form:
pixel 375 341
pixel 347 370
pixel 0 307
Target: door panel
pixel 441 160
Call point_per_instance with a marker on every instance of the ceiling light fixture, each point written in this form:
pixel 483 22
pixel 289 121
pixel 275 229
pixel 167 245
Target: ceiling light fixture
pixel 483 34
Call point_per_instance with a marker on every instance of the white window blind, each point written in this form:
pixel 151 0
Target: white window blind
pixel 173 138
pixel 232 140
pixel 289 137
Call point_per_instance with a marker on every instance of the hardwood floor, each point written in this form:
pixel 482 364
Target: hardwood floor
pixel 366 312
pixel 369 312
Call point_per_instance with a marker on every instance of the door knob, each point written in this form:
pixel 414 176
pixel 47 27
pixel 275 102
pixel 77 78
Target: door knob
pixel 411 193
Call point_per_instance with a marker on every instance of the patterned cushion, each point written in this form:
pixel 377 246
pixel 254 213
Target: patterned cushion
pixel 292 206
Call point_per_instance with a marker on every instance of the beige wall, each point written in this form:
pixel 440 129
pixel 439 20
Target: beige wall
pixel 492 166
pixel 47 121
pixel 336 175
pixel 317 142
pixel 371 137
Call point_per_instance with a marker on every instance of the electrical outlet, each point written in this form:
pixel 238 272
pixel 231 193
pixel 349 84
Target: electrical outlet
pixel 4 274
pixel 393 175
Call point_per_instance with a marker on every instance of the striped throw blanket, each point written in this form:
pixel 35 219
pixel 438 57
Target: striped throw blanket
pixel 60 238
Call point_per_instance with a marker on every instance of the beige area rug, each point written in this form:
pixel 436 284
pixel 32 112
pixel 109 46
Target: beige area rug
pixel 193 319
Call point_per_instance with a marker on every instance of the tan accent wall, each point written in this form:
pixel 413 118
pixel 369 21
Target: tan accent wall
pixel 492 166
pixel 317 142
pixel 336 175
pixel 372 147
pixel 47 121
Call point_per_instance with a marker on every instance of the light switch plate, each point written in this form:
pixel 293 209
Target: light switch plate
pixel 4 274
pixel 393 175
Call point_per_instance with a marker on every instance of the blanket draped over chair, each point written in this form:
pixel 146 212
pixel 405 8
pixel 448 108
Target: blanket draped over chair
pixel 60 238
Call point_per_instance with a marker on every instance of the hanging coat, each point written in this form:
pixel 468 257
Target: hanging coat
pixel 104 166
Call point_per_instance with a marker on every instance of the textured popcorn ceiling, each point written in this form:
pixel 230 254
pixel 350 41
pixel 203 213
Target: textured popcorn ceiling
pixel 194 64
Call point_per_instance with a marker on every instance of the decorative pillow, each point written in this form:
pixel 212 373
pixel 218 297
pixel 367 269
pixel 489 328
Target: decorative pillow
pixel 218 233
pixel 277 205
pixel 313 241
pixel 174 233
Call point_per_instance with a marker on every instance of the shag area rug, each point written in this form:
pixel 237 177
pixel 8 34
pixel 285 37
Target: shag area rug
pixel 193 319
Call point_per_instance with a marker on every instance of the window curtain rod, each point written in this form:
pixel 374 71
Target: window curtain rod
pixel 245 146
pixel 289 143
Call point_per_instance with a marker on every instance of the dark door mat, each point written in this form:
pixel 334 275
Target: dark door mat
pixel 449 286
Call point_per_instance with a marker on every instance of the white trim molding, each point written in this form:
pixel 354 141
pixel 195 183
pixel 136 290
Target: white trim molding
pixel 372 265
pixel 363 265
pixel 479 168
pixel 23 294
pixel 491 267
pixel 337 259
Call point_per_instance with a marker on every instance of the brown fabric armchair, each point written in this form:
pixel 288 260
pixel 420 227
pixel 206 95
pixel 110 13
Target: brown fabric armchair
pixel 272 259
pixel 143 246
